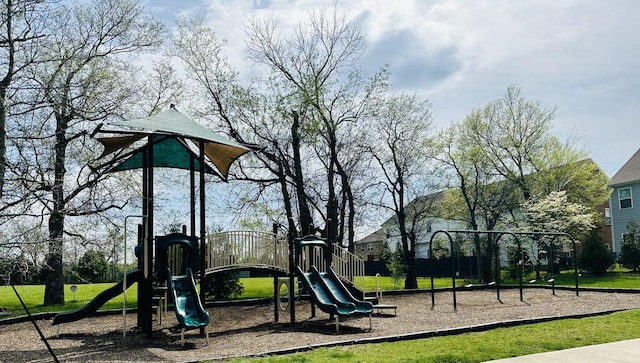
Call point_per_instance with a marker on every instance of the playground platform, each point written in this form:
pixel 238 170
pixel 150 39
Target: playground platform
pixel 626 351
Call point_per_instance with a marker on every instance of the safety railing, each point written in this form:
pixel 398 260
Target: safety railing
pixel 247 249
pixel 348 266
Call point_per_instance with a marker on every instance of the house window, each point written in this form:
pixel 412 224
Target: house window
pixel 369 247
pixel 628 238
pixel 361 248
pixel 624 196
pixel 607 216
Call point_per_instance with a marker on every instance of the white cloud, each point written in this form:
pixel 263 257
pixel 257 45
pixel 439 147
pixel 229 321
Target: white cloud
pixel 578 55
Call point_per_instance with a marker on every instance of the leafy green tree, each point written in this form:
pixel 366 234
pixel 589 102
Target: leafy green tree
pixel 596 258
pixel 630 249
pixel 503 154
pixel 481 198
pixel 514 134
pixel 93 266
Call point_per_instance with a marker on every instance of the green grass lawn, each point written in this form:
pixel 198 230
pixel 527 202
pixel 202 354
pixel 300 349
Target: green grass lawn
pixel 616 279
pixel 33 297
pixel 479 347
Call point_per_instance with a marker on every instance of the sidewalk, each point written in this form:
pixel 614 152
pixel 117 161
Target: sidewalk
pixel 626 351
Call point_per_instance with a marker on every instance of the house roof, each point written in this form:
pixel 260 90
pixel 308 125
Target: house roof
pixel 629 173
pixel 373 237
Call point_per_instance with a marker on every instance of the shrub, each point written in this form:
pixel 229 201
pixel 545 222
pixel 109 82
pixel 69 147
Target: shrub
pixel 223 286
pixel 516 262
pixel 630 249
pixel 596 258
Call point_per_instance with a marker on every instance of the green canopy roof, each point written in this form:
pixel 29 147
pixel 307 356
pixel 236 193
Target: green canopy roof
pixel 221 151
pixel 168 153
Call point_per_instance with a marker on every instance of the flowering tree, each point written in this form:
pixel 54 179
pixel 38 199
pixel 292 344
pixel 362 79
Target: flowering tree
pixel 554 213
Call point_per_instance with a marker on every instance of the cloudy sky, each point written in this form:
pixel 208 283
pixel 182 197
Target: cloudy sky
pixel 581 56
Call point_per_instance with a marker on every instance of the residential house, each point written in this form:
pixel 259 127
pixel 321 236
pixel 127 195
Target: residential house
pixel 370 246
pixel 624 199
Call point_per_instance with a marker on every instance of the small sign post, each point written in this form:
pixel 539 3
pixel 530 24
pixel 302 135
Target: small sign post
pixel 73 289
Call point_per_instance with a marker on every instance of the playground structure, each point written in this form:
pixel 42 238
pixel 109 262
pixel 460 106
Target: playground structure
pixel 177 255
pixel 499 234
pixel 175 141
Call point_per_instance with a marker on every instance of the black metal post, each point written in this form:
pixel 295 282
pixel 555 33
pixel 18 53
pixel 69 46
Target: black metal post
pixel 33 321
pixel 141 239
pixel 497 264
pixel 553 279
pixel 192 193
pixel 433 293
pixel 520 270
pixel 292 269
pixel 453 273
pixel 575 264
pixel 276 299
pixel 203 231
pixel 147 280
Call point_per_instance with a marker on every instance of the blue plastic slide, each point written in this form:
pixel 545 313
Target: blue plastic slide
pixel 187 305
pixel 331 296
pixel 340 291
pixel 100 299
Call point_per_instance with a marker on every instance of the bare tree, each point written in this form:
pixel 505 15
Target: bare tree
pixel 22 24
pixel 301 115
pixel 84 78
pixel 318 64
pixel 403 154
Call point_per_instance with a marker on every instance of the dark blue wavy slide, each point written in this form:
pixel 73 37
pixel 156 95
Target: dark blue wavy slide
pixel 100 299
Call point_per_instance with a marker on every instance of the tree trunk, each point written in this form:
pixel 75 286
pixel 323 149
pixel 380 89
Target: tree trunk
pixel 4 85
pixel 293 233
pixel 3 138
pixel 411 278
pixel 486 262
pixel 306 220
pixel 332 204
pixel 332 216
pixel 348 199
pixel 54 288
